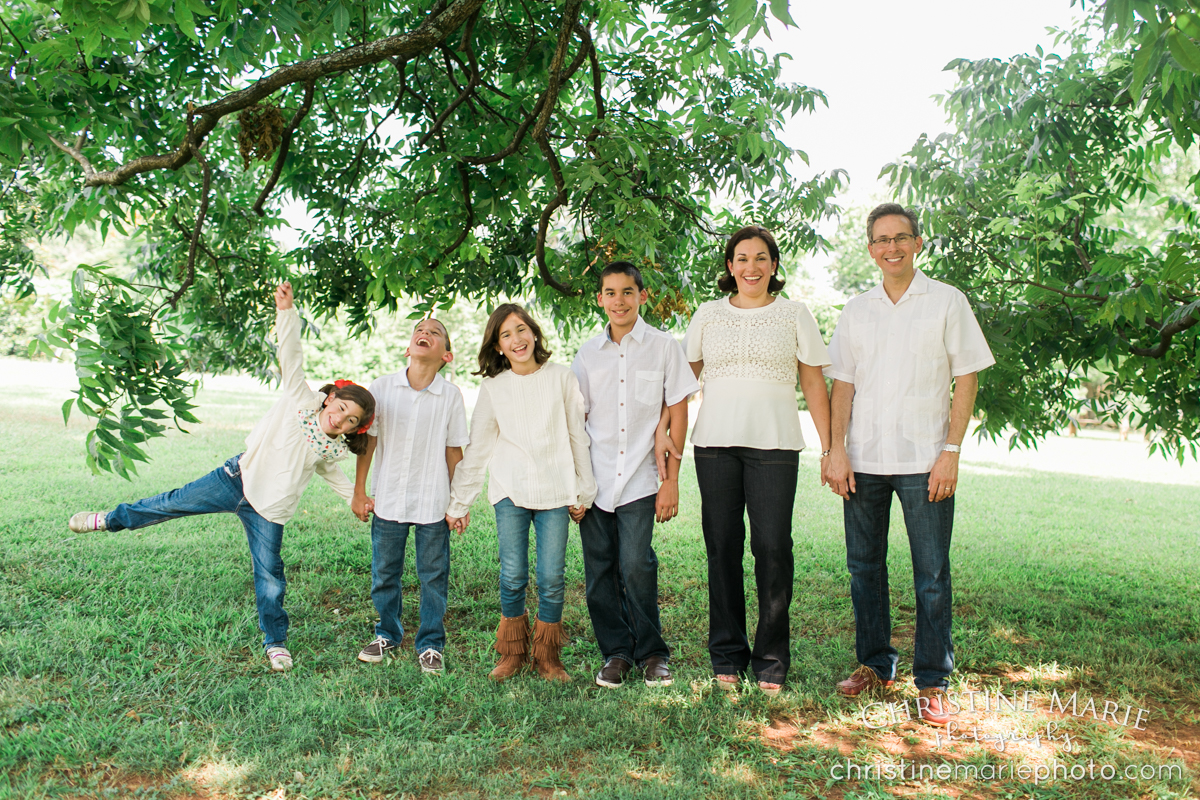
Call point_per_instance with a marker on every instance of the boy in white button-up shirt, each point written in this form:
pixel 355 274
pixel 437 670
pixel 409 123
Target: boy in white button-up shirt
pixel 895 351
pixel 420 429
pixel 627 374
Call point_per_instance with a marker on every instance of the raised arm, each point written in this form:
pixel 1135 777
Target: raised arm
pixel 287 343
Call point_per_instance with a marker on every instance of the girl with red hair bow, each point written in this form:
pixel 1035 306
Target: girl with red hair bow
pixel 304 433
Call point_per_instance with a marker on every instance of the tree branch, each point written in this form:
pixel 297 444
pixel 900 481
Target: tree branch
pixel 284 143
pixel 559 200
pixel 1166 333
pixel 195 243
pixel 436 27
pixel 570 19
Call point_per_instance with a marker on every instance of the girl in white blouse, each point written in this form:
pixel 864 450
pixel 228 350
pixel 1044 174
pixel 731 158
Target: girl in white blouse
pixel 527 431
pixel 304 433
pixel 751 345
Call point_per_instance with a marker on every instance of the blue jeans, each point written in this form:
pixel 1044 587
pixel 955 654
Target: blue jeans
pixel 432 546
pixel 512 533
pixel 736 482
pixel 929 527
pixel 621 572
pixel 220 491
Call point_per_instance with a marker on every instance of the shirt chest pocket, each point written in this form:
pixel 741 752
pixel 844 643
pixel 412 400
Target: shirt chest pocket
pixel 926 340
pixel 648 387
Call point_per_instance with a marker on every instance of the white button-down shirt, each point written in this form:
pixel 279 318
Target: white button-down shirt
pixel 900 358
pixel 624 386
pixel 410 479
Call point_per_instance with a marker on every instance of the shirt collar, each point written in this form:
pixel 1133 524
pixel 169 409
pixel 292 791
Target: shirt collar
pixel 918 285
pixel 638 333
pixel 435 386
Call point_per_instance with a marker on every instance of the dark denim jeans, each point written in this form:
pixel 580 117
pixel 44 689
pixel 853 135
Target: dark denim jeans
pixel 621 574
pixel 929 525
pixel 738 481
pixel 220 491
pixel 432 549
pixel 512 533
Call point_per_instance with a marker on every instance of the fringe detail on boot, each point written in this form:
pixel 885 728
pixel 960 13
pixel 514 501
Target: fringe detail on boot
pixel 548 640
pixel 512 643
pixel 512 636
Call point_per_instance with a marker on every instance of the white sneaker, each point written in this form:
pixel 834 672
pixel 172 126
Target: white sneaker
pixel 280 658
pixel 87 521
pixel 431 661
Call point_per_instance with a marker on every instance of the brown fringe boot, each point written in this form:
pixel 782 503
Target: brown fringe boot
pixel 548 639
pixel 512 643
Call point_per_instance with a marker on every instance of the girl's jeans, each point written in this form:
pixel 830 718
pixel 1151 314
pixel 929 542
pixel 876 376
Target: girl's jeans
pixel 512 531
pixel 220 491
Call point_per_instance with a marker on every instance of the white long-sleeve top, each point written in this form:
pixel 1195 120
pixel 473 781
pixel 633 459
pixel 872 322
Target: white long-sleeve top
pixel 527 432
pixel 278 462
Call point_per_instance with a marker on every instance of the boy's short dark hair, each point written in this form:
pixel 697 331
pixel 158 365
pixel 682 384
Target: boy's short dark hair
pixel 623 268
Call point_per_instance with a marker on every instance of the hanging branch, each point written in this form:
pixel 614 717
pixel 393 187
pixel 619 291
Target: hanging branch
pixel 1166 333
pixel 559 200
pixel 436 27
pixel 195 243
pixel 284 143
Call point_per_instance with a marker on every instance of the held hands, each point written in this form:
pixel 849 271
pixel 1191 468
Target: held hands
pixel 835 471
pixel 362 506
pixel 666 505
pixel 577 512
pixel 283 296
pixel 459 524
pixel 943 478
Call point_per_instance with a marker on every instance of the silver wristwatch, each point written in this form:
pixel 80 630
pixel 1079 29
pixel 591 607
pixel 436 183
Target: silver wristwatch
pixel 952 448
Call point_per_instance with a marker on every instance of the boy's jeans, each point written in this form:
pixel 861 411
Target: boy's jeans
pixel 432 546
pixel 929 529
pixel 220 491
pixel 512 533
pixel 621 572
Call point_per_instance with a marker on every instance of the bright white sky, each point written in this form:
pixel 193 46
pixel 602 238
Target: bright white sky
pixel 880 64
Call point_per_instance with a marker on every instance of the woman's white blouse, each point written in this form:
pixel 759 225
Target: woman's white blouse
pixel 750 372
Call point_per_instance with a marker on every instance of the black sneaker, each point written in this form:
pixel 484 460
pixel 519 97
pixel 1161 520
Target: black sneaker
pixel 431 661
pixel 376 651
pixel 613 673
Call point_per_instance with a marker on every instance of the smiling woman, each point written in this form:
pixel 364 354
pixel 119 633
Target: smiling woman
pixel 305 433
pixel 751 346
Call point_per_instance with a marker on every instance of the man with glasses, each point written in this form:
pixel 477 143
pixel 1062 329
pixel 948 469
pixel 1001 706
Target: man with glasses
pixel 895 351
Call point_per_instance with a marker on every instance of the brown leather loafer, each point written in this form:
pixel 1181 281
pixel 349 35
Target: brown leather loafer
pixel 613 673
pixel 932 705
pixel 656 672
pixel 863 679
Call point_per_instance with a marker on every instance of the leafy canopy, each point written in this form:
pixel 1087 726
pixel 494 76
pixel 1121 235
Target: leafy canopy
pixel 447 149
pixel 1027 201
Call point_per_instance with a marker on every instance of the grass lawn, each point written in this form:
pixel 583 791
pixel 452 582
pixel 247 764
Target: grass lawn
pixel 130 663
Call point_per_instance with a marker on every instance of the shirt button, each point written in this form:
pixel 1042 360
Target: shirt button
pixel 622 380
pixel 622 453
pixel 622 404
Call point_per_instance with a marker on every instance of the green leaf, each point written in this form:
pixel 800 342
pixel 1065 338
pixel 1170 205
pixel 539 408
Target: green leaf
pixel 1184 50
pixel 779 9
pixel 183 17
pixel 66 410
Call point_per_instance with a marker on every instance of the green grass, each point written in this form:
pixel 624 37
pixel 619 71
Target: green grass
pixel 130 662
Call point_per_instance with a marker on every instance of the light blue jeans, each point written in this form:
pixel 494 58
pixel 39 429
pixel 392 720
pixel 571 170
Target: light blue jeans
pixel 220 491
pixel 512 533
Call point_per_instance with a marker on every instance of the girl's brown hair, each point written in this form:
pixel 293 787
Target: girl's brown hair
pixel 357 442
pixel 491 361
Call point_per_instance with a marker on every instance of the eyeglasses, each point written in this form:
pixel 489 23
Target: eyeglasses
pixel 900 239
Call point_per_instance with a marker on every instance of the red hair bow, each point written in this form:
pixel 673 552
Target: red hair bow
pixel 341 384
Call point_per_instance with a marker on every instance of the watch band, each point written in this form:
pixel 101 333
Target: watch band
pixel 952 448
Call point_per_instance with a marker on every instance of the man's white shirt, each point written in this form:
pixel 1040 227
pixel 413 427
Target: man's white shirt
pixel 624 387
pixel 410 480
pixel 901 358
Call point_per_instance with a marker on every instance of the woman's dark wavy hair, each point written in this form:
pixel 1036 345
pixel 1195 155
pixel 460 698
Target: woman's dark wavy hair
pixel 727 283
pixel 491 361
pixel 357 442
